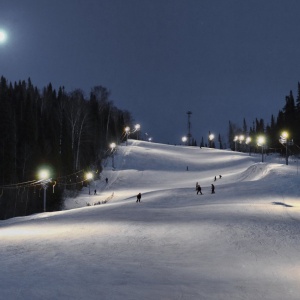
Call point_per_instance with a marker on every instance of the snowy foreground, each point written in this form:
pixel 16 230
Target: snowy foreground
pixel 243 242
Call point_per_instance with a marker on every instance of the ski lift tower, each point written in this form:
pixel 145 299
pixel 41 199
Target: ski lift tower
pixel 189 135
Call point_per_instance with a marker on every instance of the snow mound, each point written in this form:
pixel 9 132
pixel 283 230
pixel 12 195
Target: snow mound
pixel 257 171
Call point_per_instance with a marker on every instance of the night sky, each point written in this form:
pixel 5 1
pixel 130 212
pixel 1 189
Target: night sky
pixel 221 59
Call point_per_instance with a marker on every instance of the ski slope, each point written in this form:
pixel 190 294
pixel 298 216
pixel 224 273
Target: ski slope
pixel 240 243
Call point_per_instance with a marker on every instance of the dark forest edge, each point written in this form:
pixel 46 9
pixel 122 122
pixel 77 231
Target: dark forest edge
pixel 286 123
pixel 245 138
pixel 67 132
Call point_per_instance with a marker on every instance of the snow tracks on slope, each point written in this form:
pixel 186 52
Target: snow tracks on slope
pixel 257 172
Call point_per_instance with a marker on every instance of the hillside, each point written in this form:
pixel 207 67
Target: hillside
pixel 240 243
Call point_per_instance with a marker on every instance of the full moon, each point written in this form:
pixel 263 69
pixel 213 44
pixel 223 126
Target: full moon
pixel 2 36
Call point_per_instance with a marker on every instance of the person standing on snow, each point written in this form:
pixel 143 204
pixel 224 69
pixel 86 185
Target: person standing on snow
pixel 212 189
pixel 138 197
pixel 199 189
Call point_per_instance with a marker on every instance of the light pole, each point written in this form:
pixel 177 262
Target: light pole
pixel 260 142
pixel 210 137
pixel 184 139
pixel 248 141
pixel 241 139
pixel 137 128
pixel 112 147
pixel 235 140
pixel 44 177
pixel 127 130
pixel 284 140
pixel 89 176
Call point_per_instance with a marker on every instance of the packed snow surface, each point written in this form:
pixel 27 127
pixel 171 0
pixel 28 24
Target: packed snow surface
pixel 243 242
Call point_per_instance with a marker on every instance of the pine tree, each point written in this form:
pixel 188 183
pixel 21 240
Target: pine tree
pixel 245 128
pixel 202 142
pixel 220 141
pixel 290 115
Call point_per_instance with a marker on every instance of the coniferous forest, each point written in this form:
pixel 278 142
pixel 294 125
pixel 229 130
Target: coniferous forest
pixel 63 132
pixel 287 120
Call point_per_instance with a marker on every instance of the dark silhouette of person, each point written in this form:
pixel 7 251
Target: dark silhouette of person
pixel 199 189
pixel 215 178
pixel 212 189
pixel 106 180
pixel 220 176
pixel 138 197
pixel 95 192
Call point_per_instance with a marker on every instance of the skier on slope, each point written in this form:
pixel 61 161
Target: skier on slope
pixel 138 197
pixel 212 189
pixel 199 189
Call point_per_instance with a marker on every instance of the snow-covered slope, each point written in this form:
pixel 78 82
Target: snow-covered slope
pixel 240 243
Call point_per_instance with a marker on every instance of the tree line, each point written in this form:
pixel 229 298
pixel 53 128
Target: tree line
pixel 67 132
pixel 287 119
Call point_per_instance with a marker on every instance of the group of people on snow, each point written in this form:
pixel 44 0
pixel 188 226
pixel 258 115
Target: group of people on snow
pixel 199 190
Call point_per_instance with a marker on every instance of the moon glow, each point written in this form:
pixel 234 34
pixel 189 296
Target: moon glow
pixel 3 36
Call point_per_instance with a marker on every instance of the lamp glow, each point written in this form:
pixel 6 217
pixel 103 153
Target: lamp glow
pixel 261 140
pixel 89 176
pixel 284 140
pixel 285 135
pixel 44 174
pixel 137 127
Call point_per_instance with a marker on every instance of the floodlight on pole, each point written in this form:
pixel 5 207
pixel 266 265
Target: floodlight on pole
pixel 137 129
pixel 127 131
pixel 235 140
pixel 284 140
pixel 261 140
pixel 89 176
pixel 184 139
pixel 113 147
pixel 248 141
pixel 241 140
pixel 211 137
pixel 44 176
